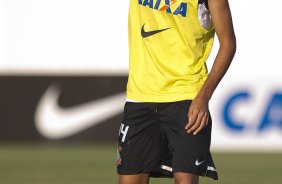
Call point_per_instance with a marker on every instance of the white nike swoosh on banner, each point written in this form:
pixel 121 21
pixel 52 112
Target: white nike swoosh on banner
pixel 55 122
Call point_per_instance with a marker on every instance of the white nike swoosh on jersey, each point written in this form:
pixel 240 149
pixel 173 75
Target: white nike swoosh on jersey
pixel 197 163
pixel 55 122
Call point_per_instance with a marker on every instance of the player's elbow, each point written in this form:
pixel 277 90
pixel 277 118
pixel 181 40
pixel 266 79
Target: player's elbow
pixel 233 44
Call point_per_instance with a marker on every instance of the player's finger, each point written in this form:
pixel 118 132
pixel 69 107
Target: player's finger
pixel 197 123
pixel 189 116
pixel 207 121
pixel 202 125
pixel 192 116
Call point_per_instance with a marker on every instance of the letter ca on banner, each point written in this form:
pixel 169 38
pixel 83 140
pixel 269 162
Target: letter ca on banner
pixel 270 115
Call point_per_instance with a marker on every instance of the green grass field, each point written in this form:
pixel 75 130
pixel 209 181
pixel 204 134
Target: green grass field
pixel 95 164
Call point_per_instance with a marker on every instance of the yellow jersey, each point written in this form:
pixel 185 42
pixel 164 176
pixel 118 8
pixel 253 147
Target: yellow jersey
pixel 168 48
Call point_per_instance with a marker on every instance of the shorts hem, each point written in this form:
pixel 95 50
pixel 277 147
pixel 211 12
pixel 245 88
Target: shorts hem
pixel 132 173
pixel 150 173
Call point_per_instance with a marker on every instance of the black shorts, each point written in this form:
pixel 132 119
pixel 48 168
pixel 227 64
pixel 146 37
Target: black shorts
pixel 152 139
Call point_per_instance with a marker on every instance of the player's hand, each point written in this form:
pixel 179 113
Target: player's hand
pixel 198 116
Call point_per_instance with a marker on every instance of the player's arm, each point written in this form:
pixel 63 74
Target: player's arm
pixel 222 21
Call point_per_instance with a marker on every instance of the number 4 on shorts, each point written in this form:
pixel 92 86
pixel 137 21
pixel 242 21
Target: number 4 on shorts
pixel 123 130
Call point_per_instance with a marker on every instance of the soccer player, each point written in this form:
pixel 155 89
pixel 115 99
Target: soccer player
pixel 166 129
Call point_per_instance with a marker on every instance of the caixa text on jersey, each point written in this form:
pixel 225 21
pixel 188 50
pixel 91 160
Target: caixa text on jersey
pixel 166 6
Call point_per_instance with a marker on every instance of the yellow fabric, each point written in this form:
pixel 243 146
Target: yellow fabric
pixel 170 65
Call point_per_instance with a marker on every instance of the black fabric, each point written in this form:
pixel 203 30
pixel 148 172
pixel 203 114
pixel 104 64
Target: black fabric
pixel 152 136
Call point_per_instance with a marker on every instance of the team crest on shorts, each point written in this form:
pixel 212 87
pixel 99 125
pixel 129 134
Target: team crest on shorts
pixel 118 155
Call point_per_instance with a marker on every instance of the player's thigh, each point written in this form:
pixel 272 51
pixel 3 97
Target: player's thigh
pixel 190 153
pixel 139 140
pixel 134 179
pixel 185 178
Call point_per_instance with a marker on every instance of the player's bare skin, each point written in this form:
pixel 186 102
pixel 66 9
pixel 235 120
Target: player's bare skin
pixel 222 21
pixel 134 179
pixel 198 111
